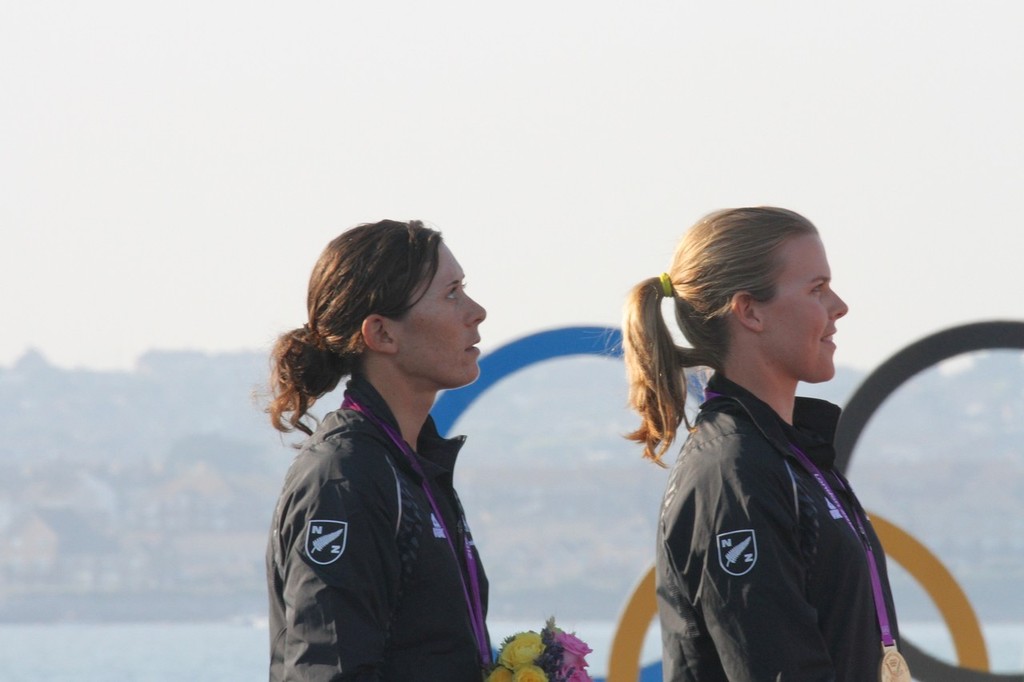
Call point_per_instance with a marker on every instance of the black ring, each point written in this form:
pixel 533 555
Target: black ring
pixel 869 396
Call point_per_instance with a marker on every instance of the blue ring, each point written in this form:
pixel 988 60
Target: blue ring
pixel 515 355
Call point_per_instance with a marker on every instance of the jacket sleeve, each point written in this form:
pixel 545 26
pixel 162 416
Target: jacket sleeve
pixel 340 589
pixel 736 546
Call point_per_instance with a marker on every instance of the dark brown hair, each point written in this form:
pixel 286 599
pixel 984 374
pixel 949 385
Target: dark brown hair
pixel 373 268
pixel 725 253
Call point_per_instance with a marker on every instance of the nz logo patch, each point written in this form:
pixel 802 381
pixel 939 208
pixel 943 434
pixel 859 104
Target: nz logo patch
pixel 737 551
pixel 325 540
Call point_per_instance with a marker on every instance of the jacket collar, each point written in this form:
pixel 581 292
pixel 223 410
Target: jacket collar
pixel 437 454
pixel 814 420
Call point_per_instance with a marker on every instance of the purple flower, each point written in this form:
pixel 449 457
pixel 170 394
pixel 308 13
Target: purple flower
pixel 575 649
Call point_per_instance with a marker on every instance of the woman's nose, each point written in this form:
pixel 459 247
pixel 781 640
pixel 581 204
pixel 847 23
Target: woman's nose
pixel 840 307
pixel 480 313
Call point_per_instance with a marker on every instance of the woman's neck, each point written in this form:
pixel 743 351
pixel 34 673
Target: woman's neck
pixel 409 406
pixel 778 395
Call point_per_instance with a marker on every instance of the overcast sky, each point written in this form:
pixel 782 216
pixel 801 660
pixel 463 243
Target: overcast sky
pixel 169 172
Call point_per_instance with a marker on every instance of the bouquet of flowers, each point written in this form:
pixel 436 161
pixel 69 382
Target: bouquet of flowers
pixel 552 655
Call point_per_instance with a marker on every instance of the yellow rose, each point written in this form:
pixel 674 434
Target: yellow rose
pixel 529 673
pixel 500 674
pixel 522 649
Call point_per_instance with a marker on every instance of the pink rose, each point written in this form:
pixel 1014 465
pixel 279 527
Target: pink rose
pixel 574 656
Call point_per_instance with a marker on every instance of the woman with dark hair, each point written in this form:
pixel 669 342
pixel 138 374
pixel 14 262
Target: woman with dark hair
pixel 767 566
pixel 372 570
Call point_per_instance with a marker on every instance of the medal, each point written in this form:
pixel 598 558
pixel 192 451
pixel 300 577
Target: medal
pixel 894 667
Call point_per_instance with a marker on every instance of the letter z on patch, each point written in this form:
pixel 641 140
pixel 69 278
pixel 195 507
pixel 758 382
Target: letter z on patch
pixel 737 551
pixel 325 540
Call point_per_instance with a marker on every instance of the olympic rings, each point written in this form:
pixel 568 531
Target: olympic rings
pixel 624 662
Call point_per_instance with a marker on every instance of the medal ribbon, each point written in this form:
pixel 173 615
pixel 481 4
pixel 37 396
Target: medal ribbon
pixel 474 603
pixel 860 532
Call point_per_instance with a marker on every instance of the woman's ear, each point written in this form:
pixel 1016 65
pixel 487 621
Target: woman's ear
pixel 376 334
pixel 747 311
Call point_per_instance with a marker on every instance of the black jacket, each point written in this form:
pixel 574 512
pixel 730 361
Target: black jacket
pixel 758 577
pixel 363 586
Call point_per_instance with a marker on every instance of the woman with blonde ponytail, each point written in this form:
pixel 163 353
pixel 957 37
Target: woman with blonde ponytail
pixel 767 566
pixel 372 570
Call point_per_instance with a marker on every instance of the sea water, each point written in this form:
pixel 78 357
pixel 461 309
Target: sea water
pixel 225 652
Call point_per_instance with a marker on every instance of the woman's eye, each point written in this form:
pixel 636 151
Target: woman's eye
pixel 453 293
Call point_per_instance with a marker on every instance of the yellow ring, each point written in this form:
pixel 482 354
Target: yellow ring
pixel 624 659
pixel 942 587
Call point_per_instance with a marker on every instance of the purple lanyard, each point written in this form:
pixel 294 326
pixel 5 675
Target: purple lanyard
pixel 876 581
pixel 474 604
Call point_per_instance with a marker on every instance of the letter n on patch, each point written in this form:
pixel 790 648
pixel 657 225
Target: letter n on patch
pixel 737 551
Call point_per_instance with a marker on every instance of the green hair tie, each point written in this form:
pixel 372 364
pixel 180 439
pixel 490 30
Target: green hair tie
pixel 666 285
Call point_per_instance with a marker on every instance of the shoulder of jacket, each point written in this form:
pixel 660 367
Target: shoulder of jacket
pixel 346 450
pixel 352 466
pixel 728 431
pixel 726 440
pixel 726 418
